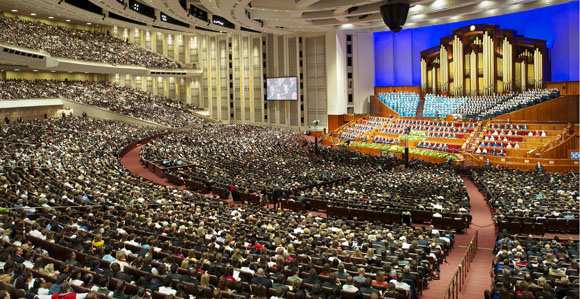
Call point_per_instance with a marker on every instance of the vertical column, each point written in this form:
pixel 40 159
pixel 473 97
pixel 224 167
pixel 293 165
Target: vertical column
pixel 336 73
pixel 473 75
pixel 423 75
pixel 523 74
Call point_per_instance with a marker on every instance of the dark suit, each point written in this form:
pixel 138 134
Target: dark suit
pixel 261 281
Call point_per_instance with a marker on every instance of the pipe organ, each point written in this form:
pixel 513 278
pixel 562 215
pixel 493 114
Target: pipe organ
pixel 484 60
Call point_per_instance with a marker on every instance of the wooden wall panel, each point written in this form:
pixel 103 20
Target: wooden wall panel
pixel 378 108
pixel 335 121
pixel 562 150
pixel 563 109
pixel 410 88
pixel 565 87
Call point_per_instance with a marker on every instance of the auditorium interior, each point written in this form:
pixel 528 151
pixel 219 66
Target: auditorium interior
pixel 406 149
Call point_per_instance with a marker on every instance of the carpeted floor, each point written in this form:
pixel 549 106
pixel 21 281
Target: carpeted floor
pixel 132 162
pixel 478 278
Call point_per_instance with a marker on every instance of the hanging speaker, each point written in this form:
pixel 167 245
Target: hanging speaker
pixel 395 15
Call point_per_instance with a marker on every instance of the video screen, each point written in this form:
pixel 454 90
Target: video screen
pixel 282 89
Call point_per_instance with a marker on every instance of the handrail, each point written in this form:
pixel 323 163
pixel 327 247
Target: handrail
pixel 456 284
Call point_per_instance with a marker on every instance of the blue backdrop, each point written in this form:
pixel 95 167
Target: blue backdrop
pixel 398 55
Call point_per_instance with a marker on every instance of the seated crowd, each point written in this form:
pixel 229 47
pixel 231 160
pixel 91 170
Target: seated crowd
pixel 75 218
pixel 519 101
pixel 529 267
pixel 533 195
pixel 441 105
pixel 405 103
pixel 77 44
pixel 106 95
pixel 425 187
pixel 253 158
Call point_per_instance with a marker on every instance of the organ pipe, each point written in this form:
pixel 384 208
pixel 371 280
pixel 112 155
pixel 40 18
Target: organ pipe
pixel 473 68
pixel 423 75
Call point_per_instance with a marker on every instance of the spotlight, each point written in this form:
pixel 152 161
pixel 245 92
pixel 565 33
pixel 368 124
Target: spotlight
pixel 395 14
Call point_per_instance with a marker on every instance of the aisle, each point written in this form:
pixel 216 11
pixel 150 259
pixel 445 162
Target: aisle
pixel 478 279
pixel 132 162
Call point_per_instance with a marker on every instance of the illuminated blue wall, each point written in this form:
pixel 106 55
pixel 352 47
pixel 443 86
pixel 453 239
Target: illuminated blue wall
pixel 398 55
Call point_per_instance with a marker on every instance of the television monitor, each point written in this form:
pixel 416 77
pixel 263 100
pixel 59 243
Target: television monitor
pixel 282 89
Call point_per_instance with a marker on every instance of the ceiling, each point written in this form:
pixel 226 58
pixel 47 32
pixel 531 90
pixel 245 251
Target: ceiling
pixel 276 16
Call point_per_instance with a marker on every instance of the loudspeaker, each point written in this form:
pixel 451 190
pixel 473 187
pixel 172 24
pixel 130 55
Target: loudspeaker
pixel 395 15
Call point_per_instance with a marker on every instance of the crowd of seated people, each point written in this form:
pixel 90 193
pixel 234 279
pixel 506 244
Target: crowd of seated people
pixel 348 136
pixel 533 195
pixel 519 101
pixel 80 223
pixel 405 103
pixel 482 149
pixel 475 105
pixel 423 187
pixel 443 147
pixel 78 44
pixel 253 158
pixel 516 132
pixel 529 267
pixel 107 95
pixel 441 105
pixel 385 140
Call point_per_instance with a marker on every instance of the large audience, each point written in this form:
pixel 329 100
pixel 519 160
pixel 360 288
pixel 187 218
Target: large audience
pixel 405 103
pixel 529 267
pixel 77 44
pixel 75 221
pixel 107 95
pixel 532 195
pixel 253 158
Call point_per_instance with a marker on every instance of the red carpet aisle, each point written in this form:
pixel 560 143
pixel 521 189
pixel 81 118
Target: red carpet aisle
pixel 481 264
pixel 478 278
pixel 132 162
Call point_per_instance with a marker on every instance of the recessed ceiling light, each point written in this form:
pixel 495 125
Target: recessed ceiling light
pixel 51 17
pixel 32 14
pixel 89 23
pixel 35 70
pixel 53 71
pixel 67 20
pixel 17 70
pixel 14 10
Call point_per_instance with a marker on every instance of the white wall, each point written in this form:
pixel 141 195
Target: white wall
pixel 336 72
pixel 363 71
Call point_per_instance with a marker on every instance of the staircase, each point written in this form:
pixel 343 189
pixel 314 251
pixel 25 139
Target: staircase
pixel 420 106
pixel 478 134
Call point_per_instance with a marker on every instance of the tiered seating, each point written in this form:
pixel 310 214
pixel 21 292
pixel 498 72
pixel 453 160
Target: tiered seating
pixel 106 95
pixel 537 197
pixel 78 44
pixel 441 105
pixel 531 267
pixel 187 243
pixel 405 103
pixel 519 101
pixel 473 106
pixel 516 140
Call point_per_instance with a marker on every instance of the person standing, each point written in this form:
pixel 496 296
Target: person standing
pixel 276 195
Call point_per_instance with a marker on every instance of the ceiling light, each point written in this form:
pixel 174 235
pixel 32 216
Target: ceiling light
pixel 51 17
pixel 89 23
pixel 14 10
pixel 33 14
pixel 35 70
pixel 70 72
pixel 53 71
pixel 17 70
pixel 67 20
